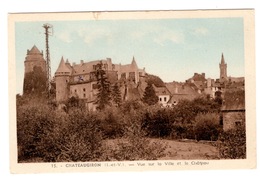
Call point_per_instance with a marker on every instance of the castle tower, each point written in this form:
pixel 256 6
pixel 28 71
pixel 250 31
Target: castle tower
pixel 34 58
pixel 223 70
pixel 34 72
pixel 62 79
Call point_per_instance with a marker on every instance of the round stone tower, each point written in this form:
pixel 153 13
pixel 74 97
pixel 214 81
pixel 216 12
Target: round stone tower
pixel 62 82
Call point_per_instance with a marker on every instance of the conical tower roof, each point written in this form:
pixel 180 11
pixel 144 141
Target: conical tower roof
pixel 62 67
pixel 34 50
pixel 222 59
pixel 134 62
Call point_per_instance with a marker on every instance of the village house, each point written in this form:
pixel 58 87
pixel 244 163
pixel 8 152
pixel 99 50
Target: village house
pixel 233 109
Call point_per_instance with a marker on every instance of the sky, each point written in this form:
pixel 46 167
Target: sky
pixel 173 49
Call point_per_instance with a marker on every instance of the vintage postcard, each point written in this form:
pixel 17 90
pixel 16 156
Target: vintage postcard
pixel 132 91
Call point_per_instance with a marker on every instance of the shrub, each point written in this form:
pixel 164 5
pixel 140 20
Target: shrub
pixel 134 145
pixel 53 136
pixel 156 122
pixel 232 144
pixel 111 122
pixel 35 124
pixel 80 138
pixel 207 126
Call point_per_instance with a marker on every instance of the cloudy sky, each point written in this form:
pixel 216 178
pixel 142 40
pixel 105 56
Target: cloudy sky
pixel 173 49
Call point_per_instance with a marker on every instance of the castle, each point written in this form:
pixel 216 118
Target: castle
pixel 79 80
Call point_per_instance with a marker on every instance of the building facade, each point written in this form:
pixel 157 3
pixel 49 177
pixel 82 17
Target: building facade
pixel 79 80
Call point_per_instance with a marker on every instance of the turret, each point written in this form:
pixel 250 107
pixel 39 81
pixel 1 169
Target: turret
pixel 34 72
pixel 62 79
pixel 34 58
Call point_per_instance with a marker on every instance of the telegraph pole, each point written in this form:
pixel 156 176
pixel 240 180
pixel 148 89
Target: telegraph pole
pixel 48 61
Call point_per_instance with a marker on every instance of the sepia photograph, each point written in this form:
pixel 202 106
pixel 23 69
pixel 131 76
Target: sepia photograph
pixel 140 90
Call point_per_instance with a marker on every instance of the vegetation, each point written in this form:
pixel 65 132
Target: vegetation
pixel 116 95
pixel 233 144
pixel 35 82
pixel 150 96
pixel 104 93
pixel 152 79
pixel 49 134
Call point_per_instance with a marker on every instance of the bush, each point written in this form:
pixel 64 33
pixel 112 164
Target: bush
pixel 35 124
pixel 207 126
pixel 134 145
pixel 232 144
pixel 156 122
pixel 111 122
pixel 55 136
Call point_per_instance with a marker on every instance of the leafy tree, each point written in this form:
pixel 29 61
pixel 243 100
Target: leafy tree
pixel 116 95
pixel 158 82
pixel 103 86
pixel 35 82
pixel 207 126
pixel 150 97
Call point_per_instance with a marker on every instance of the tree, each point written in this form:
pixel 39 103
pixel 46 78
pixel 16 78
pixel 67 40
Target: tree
pixel 35 82
pixel 116 95
pixel 103 86
pixel 150 97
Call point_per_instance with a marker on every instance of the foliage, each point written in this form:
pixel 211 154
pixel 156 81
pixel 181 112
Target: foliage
pixel 131 105
pixel 150 97
pixel 53 135
pixel 135 146
pixel 232 143
pixel 80 138
pixel 34 126
pixel 45 132
pixel 116 95
pixel 152 79
pixel 111 123
pixel 207 126
pixel 104 93
pixel 156 122
pixel 35 82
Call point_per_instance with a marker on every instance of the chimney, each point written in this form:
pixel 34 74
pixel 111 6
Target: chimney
pixel 81 61
pixel 73 64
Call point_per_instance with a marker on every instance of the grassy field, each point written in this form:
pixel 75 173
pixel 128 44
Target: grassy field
pixel 182 150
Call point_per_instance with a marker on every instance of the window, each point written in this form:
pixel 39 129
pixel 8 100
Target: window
pixel 84 95
pixel 165 99
pixel 84 89
pixel 75 90
pixel 160 99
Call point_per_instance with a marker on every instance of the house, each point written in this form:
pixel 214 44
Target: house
pixel 164 96
pixel 233 109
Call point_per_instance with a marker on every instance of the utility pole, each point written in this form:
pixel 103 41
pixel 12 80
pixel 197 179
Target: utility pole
pixel 48 61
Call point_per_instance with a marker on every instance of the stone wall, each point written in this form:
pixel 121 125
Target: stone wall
pixel 231 119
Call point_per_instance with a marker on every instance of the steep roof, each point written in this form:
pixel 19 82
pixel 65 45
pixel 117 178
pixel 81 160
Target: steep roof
pixel 86 67
pixel 222 59
pixel 234 100
pixel 182 90
pixel 62 67
pixel 161 90
pixel 34 50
